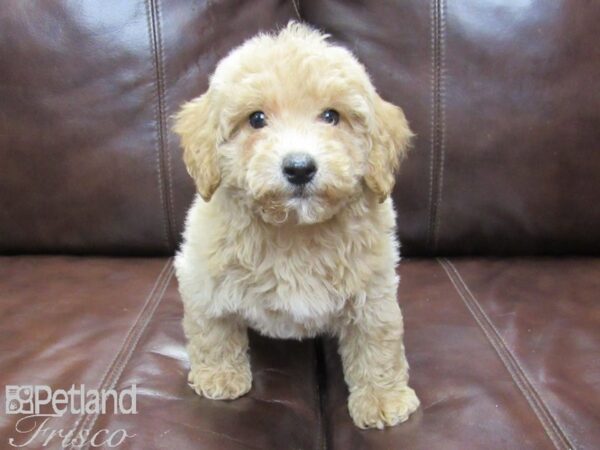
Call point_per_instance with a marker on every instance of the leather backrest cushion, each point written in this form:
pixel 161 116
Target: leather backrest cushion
pixel 505 100
pixel 503 97
pixel 88 163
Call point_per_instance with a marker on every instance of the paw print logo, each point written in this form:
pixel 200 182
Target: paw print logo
pixel 13 407
pixel 19 399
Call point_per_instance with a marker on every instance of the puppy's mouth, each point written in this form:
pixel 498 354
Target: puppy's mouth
pixel 301 192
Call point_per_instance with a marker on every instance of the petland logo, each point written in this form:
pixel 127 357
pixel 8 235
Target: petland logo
pixel 40 403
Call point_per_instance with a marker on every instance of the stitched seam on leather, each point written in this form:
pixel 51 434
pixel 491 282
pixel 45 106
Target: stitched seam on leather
pixel 436 156
pixel 164 115
pixel 120 367
pixel 162 161
pixel 105 375
pixel 108 367
pixel 297 8
pixel 165 273
pixel 441 120
pixel 536 396
pixel 432 119
pixel 550 424
pixel 164 122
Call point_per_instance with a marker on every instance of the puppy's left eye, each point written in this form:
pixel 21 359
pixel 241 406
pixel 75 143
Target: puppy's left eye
pixel 257 119
pixel 330 116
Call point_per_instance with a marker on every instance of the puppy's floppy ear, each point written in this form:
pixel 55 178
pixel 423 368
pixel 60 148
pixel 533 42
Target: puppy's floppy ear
pixel 197 125
pixel 390 137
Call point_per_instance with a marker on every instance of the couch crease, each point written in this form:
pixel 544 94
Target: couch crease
pixel 85 422
pixel 551 425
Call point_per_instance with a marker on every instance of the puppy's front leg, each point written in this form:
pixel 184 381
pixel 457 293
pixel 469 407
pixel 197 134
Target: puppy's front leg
pixel 375 367
pixel 218 351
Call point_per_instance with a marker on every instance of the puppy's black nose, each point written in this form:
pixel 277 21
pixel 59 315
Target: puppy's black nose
pixel 299 168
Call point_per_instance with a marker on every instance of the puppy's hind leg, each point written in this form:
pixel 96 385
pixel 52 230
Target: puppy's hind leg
pixel 218 351
pixel 375 366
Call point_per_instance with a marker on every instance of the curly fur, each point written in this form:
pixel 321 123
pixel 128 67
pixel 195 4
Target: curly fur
pixel 256 254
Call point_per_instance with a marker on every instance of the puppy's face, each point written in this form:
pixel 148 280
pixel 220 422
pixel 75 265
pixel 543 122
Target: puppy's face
pixel 292 126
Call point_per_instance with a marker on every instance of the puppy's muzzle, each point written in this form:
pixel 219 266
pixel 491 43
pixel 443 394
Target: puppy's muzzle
pixel 299 168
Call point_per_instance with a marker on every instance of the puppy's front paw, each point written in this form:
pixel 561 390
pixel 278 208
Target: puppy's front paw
pixel 221 383
pixel 374 408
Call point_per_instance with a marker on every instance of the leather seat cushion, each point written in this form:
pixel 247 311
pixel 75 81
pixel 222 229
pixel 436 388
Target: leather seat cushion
pixel 502 355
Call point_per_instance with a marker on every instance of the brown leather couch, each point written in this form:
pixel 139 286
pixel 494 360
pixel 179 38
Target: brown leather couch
pixel 498 205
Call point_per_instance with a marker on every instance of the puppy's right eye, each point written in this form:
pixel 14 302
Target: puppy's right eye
pixel 257 119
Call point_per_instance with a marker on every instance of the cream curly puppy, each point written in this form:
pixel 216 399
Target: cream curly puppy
pixel 293 233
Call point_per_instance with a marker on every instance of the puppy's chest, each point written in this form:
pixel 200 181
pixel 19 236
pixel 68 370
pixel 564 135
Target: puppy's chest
pixel 293 291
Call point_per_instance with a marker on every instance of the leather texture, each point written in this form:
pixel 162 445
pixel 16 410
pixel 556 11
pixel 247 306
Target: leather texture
pixel 89 162
pixel 503 98
pixel 502 355
pixel 109 323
